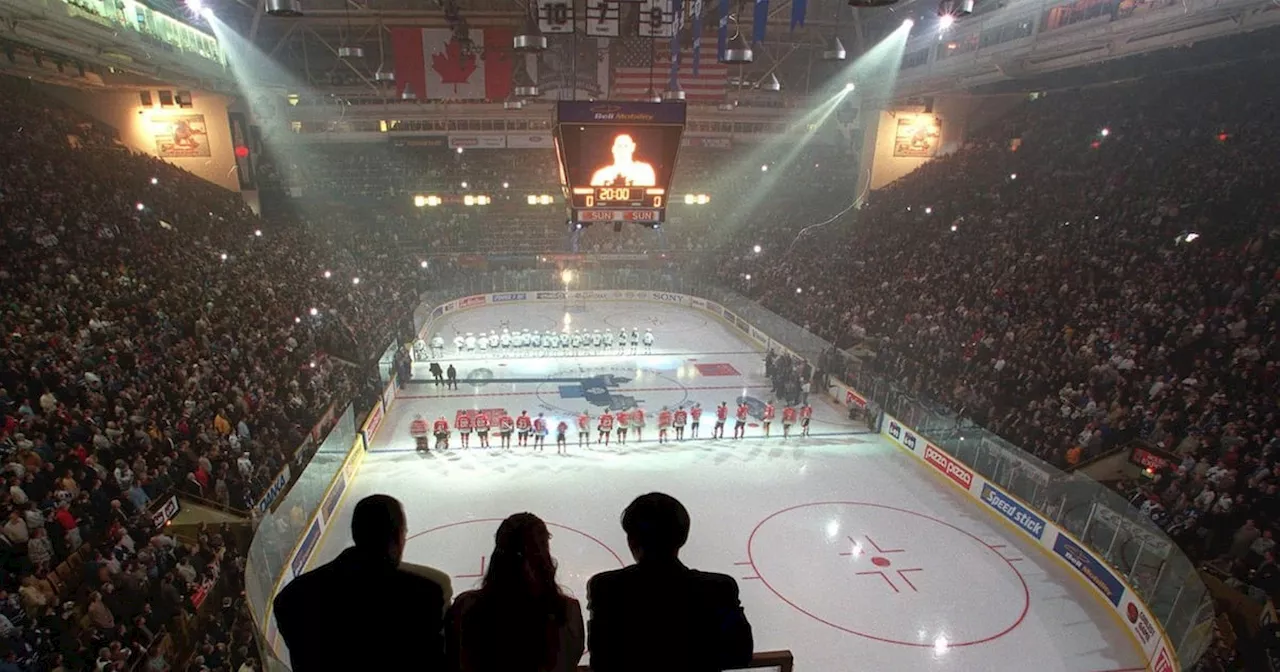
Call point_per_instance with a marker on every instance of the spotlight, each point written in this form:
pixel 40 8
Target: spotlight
pixel 297 320
pixel 155 181
pixel 286 8
pixel 756 249
pixel 257 232
pixel 747 276
pixel 464 184
pixel 848 86
pixel 764 168
pixel 1013 176
pixel 355 281
pixel 196 6
pixel 953 228
pixel 928 211
pixel 140 207
pixel 946 21
pixel 459 150
pixel 327 275
pixel 506 185
pixel 223 256
pixel 1104 132
pixel 207 13
pixel 908 24
pixel 423 263
pixel 799 291
pixel 314 312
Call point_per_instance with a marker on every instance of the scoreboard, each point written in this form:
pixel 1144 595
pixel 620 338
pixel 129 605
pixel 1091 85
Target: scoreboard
pixel 616 159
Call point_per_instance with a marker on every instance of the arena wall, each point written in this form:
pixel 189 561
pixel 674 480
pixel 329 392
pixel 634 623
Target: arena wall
pixel 139 126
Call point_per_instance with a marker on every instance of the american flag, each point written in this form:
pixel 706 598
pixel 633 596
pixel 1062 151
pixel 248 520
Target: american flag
pixel 635 58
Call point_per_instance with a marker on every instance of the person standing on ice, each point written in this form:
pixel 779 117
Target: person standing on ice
pixel 505 425
pixel 452 374
pixel 695 419
pixel 437 373
pixel 648 341
pixel 635 340
pixel 623 420
pixel 437 346
pixel 605 427
pixel 806 414
pixel 463 423
pixel 441 430
pixel 562 428
pixel 788 419
pixel 584 429
pixel 740 424
pixel 523 425
pixel 419 431
pixel 722 414
pixel 622 340
pixel 482 428
pixel 681 418
pixel 539 432
pixel 767 418
pixel 637 422
pixel 664 423
pixel 608 339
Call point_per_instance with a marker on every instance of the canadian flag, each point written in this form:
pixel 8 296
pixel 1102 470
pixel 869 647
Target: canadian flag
pixel 433 65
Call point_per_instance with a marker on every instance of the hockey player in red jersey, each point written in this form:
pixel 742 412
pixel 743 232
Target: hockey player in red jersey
pixel 539 432
pixel 463 423
pixel 505 425
pixel 605 427
pixel 664 424
pixel 740 421
pixel 441 430
pixel 584 429
pixel 695 419
pixel 788 419
pixel 482 428
pixel 806 414
pixel 722 414
pixel 637 422
pixel 767 419
pixel 419 431
pixel 523 424
pixel 681 419
pixel 623 420
pixel 561 429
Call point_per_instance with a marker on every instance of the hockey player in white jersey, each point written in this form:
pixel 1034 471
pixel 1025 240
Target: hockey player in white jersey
pixel 622 340
pixel 635 340
pixel 493 339
pixel 576 342
pixel 505 339
pixel 552 342
pixel 648 341
pixel 608 339
pixel 564 341
pixel 437 346
pixel 459 342
pixel 595 341
pixel 470 343
pixel 482 342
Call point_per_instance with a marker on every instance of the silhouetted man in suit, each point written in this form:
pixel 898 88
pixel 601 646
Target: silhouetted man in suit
pixel 364 610
pixel 658 614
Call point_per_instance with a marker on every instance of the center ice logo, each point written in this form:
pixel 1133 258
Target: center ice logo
pixel 596 391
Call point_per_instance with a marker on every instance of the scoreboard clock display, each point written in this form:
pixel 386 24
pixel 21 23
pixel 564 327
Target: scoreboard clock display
pixel 616 158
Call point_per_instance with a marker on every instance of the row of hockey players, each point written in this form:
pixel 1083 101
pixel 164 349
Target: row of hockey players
pixel 536 343
pixel 607 424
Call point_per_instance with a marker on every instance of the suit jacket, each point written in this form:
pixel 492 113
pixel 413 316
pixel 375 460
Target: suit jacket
pixel 475 643
pixel 664 616
pixel 362 612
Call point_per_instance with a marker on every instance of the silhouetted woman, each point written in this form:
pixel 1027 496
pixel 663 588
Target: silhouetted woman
pixel 519 620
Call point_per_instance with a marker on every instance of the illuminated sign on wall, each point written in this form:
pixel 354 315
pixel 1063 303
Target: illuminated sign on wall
pixel 916 136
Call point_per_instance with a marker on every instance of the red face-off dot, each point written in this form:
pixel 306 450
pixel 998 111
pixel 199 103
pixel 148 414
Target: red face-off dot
pixel 880 562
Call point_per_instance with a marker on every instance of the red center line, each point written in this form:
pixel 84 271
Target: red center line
pixel 622 390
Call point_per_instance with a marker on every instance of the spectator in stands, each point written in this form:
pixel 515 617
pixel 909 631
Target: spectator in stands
pixel 659 614
pixel 362 610
pixel 519 620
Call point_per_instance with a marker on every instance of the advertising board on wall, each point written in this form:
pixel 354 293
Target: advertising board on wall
pixel 371 424
pixel 277 486
pixel 472 301
pixel 308 545
pixel 1090 568
pixel 513 296
pixel 1010 508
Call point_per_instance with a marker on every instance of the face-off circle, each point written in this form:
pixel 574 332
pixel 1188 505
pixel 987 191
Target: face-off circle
pixel 888 574
pixel 462 550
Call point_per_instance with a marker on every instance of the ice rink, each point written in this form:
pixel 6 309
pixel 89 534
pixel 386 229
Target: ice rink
pixel 847 552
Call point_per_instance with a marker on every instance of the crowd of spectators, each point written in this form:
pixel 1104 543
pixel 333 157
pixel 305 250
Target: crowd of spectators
pixel 1099 266
pixel 155 338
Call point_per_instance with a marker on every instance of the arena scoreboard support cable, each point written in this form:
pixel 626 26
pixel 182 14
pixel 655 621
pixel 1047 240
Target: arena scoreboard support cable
pixel 616 159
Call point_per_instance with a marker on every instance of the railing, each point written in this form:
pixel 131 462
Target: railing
pixel 1160 573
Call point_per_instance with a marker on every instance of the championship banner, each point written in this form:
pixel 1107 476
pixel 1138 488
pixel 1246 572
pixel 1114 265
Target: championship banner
pixel 602 18
pixel 555 16
pixel 657 18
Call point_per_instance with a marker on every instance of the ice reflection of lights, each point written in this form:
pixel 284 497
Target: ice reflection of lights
pixel 940 645
pixel 833 529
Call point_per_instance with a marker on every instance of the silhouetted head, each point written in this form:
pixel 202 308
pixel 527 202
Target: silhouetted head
pixel 657 526
pixel 378 526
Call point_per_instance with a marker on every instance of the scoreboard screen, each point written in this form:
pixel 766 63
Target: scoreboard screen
pixel 618 156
